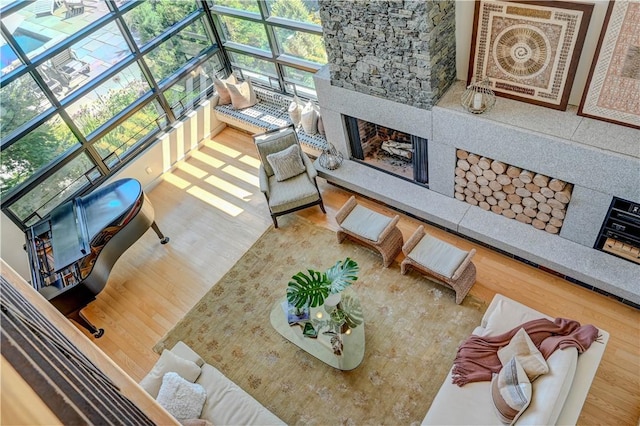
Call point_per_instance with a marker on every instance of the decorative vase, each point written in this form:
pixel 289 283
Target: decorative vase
pixel 331 302
pixel 330 158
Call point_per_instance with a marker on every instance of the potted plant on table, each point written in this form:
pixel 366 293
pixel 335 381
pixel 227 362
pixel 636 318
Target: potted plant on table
pixel 315 288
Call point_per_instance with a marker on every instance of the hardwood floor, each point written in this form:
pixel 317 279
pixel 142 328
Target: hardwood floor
pixel 212 209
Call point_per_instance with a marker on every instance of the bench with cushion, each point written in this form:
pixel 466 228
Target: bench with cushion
pixel 441 260
pixel 271 112
pixel 370 228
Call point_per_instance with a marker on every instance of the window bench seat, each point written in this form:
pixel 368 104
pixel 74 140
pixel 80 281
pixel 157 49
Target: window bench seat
pixel 270 112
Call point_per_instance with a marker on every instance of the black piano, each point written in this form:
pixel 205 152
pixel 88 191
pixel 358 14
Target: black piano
pixel 71 252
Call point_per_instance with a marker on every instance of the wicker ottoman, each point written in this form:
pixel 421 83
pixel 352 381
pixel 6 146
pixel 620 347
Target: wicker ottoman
pixel 371 229
pixel 442 261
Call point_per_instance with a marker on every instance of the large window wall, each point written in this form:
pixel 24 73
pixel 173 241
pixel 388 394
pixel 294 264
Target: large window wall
pixel 86 85
pixel 278 43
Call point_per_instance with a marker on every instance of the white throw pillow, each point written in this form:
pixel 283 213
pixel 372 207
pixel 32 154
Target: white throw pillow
pixel 223 91
pixel 511 392
pixel 295 111
pixel 521 346
pixel 309 119
pixel 320 124
pixel 286 163
pixel 242 95
pixel 183 399
pixel 169 362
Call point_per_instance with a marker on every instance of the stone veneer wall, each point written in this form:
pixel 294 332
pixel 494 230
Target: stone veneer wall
pixel 404 51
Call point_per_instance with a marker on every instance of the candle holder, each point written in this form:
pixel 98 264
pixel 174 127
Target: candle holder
pixel 330 158
pixel 478 97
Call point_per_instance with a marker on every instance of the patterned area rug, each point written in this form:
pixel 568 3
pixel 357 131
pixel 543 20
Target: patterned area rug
pixel 412 330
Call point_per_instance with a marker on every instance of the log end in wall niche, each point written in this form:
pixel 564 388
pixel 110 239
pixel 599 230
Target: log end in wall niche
pixel 526 196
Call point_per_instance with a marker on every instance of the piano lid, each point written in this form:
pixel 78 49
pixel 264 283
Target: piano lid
pixel 75 223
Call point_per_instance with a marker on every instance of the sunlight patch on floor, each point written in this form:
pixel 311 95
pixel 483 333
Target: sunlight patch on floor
pixel 242 175
pixel 250 161
pixel 215 201
pixel 176 181
pixel 228 187
pixel 216 146
pixel 207 159
pixel 192 170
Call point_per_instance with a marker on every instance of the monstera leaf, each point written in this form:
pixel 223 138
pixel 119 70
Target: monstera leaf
pixel 311 289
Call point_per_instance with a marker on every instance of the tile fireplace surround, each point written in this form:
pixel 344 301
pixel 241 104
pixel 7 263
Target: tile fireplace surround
pixel 602 160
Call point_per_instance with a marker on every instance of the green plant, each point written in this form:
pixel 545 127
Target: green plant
pixel 311 289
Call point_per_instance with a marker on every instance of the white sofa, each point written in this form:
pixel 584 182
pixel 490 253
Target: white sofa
pixel 226 402
pixel 557 397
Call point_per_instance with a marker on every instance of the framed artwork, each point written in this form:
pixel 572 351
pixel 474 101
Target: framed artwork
pixel 528 50
pixel 613 87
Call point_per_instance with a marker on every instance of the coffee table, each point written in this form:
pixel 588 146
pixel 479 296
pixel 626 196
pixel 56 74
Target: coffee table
pixel 320 347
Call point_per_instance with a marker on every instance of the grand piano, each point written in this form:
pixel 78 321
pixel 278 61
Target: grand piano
pixel 72 251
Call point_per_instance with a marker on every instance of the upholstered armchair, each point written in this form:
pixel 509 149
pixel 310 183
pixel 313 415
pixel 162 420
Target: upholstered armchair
pixel 287 176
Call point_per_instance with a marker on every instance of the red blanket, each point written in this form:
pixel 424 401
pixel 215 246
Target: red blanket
pixel 477 357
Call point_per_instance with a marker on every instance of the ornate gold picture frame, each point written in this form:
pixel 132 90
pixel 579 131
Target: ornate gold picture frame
pixel 613 87
pixel 528 50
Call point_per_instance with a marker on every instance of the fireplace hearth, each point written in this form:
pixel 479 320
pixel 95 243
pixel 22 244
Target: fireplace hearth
pixel 389 150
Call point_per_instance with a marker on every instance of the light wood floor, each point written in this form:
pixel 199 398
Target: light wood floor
pixel 212 209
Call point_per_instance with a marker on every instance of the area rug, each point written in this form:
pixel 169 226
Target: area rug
pixel 412 330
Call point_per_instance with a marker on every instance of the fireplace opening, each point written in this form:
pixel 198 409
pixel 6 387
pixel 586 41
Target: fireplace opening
pixel 389 150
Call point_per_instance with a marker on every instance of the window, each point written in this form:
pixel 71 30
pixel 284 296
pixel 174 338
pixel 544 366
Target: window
pixel 273 40
pixel 85 88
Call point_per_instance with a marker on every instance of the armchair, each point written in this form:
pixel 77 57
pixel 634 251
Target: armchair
pixel 67 65
pixel 287 176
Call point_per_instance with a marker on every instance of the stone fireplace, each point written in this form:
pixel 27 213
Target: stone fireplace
pixel 392 65
pixel 398 153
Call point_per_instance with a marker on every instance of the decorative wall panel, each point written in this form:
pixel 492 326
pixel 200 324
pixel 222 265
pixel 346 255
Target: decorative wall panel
pixel 613 87
pixel 528 51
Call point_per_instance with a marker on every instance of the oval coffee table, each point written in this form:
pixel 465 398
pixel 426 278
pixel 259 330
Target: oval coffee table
pixel 320 347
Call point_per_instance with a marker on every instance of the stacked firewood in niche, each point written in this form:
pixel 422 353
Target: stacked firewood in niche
pixel 519 194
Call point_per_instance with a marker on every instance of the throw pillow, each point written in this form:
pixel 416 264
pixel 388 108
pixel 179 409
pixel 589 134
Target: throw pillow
pixel 309 119
pixel 183 399
pixel 320 124
pixel 223 91
pixel 286 163
pixel 295 111
pixel 167 362
pixel 527 354
pixel 242 95
pixel 511 392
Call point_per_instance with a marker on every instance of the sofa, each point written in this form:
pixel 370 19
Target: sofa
pixel 557 396
pixel 225 402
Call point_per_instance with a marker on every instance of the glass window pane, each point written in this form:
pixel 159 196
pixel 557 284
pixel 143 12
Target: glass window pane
pixel 100 105
pixel 302 45
pixel 245 32
pixel 296 10
pixel 150 18
pixel 84 61
pixel 34 151
pixel 55 189
pixel 261 67
pixel 21 100
pixel 188 91
pixel 302 79
pixel 46 23
pixel 118 141
pixel 246 5
pixel 167 58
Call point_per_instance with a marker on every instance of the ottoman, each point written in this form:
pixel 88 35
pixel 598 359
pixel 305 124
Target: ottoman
pixel 371 229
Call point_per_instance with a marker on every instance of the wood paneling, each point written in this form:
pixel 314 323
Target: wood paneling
pixel 213 211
